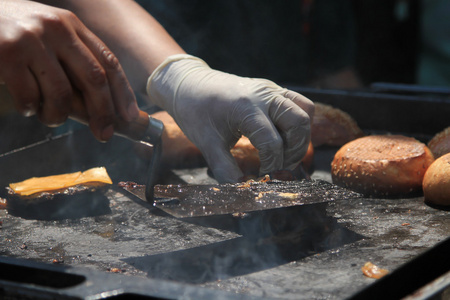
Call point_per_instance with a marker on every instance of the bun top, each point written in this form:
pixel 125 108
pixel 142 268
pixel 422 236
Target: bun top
pixel 384 147
pixel 440 143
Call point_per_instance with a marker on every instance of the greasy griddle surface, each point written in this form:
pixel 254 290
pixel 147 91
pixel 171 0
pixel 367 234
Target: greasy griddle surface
pixel 219 199
pixel 300 252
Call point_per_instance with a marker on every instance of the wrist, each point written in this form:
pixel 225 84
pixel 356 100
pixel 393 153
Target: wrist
pixel 163 83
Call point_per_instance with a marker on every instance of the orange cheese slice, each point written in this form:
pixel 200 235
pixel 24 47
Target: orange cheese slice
pixel 57 182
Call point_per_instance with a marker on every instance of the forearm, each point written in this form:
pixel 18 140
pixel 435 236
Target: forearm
pixel 136 38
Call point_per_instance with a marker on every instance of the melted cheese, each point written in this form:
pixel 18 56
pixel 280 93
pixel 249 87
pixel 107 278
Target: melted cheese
pixel 57 182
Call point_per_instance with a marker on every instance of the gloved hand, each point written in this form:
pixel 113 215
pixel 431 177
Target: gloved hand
pixel 214 109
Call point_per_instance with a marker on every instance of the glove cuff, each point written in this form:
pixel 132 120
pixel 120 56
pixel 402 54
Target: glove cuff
pixel 163 83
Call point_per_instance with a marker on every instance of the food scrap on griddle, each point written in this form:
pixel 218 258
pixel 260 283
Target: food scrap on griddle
pixel 249 182
pixel 277 194
pixel 2 203
pixel 372 271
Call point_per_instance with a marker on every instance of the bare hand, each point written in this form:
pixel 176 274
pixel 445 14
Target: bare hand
pixel 46 54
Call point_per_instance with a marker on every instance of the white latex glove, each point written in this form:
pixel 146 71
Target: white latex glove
pixel 214 109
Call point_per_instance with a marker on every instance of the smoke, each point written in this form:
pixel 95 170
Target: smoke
pixel 267 239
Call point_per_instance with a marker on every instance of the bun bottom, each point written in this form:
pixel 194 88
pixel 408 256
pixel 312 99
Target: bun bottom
pixel 180 152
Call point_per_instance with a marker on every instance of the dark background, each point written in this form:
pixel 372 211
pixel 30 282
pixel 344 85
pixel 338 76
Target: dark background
pixel 339 44
pixel 297 41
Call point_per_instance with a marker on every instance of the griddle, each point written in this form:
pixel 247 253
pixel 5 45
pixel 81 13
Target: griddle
pixel 299 252
pixel 193 200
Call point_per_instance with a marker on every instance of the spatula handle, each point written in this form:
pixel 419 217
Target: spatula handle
pixel 137 130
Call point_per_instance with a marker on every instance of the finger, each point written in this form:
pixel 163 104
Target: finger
pixel 20 82
pixel 264 136
pixel 303 102
pixel 56 90
pixel 84 71
pixel 293 124
pixel 121 91
pixel 89 78
pixel 24 91
pixel 221 162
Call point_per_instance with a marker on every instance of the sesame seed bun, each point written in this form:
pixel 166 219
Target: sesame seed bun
pixel 440 143
pixel 332 126
pixel 436 182
pixel 247 158
pixel 382 165
pixel 180 152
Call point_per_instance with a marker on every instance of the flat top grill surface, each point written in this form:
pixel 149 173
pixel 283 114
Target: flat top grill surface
pixel 301 252
pixel 309 252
